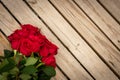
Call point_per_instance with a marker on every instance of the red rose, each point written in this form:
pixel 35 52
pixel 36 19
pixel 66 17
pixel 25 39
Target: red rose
pixel 27 47
pixel 26 40
pixel 31 29
pixel 15 44
pixel 48 49
pixel 29 39
pixel 49 61
pixel 37 38
pixel 52 48
pixel 14 40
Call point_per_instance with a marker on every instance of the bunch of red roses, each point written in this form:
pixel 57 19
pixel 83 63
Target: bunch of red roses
pixel 29 40
pixel 32 57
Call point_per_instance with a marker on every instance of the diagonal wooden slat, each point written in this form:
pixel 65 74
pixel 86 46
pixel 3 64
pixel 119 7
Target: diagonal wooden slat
pixel 64 59
pixel 102 19
pixel 113 6
pixel 64 31
pixel 7 21
pixel 90 32
pixel 59 75
pixel 4 44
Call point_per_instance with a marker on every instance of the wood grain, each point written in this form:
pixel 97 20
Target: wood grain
pixel 90 32
pixel 70 38
pixel 4 44
pixel 75 34
pixel 7 21
pixel 113 6
pixel 104 21
pixel 59 75
pixel 64 59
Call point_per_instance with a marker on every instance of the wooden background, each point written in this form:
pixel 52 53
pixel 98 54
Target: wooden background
pixel 87 33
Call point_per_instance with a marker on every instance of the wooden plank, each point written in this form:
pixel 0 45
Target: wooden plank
pixel 4 27
pixel 4 44
pixel 7 21
pixel 104 21
pixel 70 38
pixel 113 6
pixel 90 32
pixel 64 59
pixel 59 75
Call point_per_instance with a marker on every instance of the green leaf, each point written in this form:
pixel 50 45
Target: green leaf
pixel 14 71
pixel 29 69
pixel 4 76
pixel 8 53
pixel 35 76
pixel 23 61
pixel 11 61
pixel 5 62
pixel 49 71
pixel 7 65
pixel 31 61
pixel 25 76
pixel 43 76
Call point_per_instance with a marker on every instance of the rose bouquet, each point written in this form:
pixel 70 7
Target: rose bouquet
pixel 32 57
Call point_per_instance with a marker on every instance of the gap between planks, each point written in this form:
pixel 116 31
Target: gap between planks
pixel 5 45
pixel 74 20
pixel 100 17
pixel 112 7
pixel 75 66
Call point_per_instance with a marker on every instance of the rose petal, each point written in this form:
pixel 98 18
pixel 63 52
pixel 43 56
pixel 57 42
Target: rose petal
pixel 49 61
pixel 44 51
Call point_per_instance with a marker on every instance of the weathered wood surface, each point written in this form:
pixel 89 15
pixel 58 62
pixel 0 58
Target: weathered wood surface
pixel 90 32
pixel 61 28
pixel 113 6
pixel 102 19
pixel 64 58
pixel 89 44
pixel 4 44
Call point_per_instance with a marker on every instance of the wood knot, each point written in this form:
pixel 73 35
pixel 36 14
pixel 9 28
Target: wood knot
pixel 32 1
pixel 118 41
pixel 77 46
